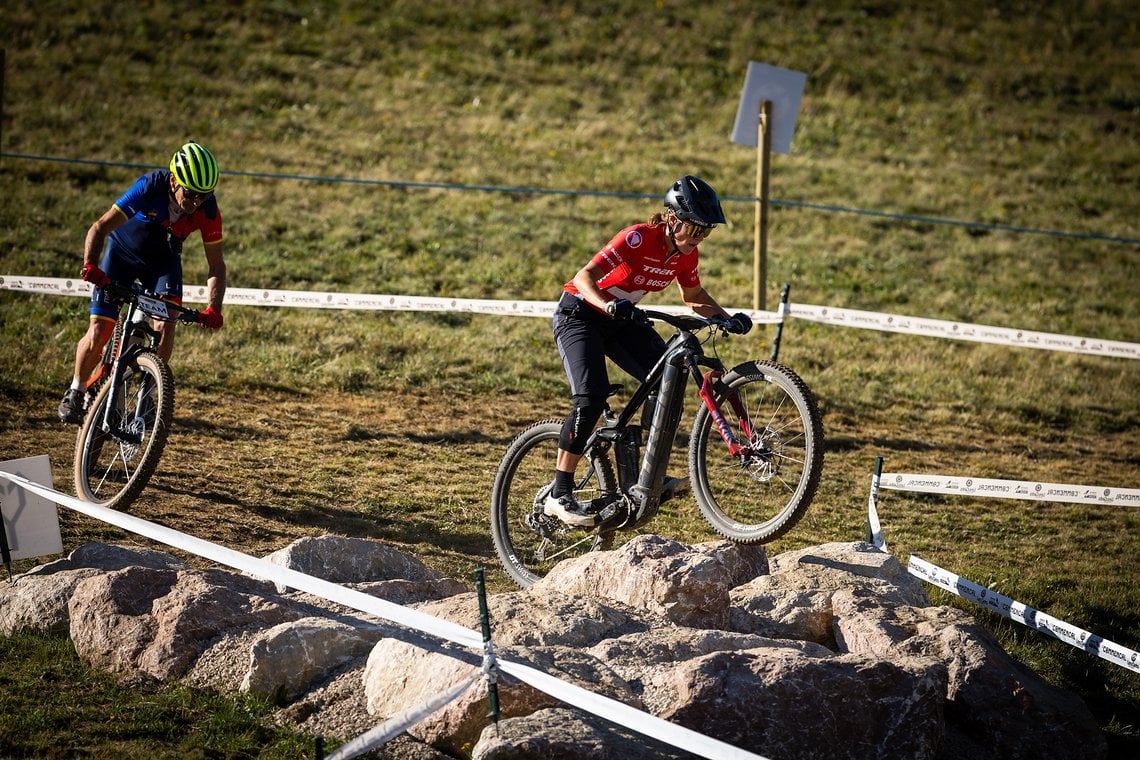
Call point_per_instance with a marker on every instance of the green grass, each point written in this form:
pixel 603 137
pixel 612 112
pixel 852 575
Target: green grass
pixel 54 706
pixel 1020 114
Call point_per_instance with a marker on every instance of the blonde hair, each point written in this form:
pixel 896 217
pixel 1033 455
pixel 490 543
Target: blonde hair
pixel 660 217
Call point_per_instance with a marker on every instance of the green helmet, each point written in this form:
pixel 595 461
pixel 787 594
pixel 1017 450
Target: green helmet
pixel 195 168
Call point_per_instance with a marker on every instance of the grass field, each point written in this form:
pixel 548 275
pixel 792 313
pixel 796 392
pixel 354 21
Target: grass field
pixel 486 150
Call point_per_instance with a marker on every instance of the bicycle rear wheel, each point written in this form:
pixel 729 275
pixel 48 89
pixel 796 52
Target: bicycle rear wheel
pixel 528 542
pixel 758 496
pixel 112 467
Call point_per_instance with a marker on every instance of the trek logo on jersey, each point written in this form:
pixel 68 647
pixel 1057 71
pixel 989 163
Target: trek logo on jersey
pixel 633 239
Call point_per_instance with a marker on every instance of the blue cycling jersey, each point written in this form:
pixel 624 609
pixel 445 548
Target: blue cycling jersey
pixel 146 204
pixel 148 246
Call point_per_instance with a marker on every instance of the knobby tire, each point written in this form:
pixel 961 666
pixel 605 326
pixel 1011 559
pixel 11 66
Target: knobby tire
pixel 111 470
pixel 529 550
pixel 760 497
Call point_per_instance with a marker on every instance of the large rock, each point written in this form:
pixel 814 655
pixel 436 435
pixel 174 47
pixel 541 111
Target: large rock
pixel 795 706
pixel 286 660
pixel 568 734
pixel 38 599
pixel 647 660
pixel 995 707
pixel 549 630
pixel 140 622
pixel 350 560
pixel 828 651
pixel 795 600
pixel 686 586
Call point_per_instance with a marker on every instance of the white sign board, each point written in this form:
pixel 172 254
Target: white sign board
pixel 784 88
pixel 31 522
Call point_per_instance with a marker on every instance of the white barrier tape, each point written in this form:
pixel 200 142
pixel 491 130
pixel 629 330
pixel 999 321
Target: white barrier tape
pixel 829 315
pixel 624 715
pixel 400 722
pixel 873 516
pixel 938 328
pixel 356 301
pixel 636 720
pixel 1027 616
pixel 1011 489
pixel 260 568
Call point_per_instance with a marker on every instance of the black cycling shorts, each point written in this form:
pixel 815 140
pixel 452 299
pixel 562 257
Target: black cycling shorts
pixel 585 337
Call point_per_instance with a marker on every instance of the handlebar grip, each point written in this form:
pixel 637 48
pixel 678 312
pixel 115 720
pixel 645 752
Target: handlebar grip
pixel 190 316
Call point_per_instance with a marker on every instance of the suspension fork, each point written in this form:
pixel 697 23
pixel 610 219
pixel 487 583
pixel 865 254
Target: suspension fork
pixel 123 353
pixel 708 396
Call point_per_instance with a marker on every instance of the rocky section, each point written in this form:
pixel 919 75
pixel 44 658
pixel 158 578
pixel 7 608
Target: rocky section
pixel 830 651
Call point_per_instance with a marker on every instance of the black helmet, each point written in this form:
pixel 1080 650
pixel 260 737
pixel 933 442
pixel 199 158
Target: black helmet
pixel 693 200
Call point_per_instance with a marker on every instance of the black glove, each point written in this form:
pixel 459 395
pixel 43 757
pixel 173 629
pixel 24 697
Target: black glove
pixel 739 323
pixel 621 310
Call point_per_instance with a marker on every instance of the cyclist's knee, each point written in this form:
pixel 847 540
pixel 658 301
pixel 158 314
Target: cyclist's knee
pixel 99 330
pixel 580 423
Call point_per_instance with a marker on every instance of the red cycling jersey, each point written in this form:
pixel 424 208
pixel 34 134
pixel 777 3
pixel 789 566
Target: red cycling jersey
pixel 640 260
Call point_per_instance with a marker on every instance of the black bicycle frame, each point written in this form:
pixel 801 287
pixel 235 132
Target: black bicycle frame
pixel 683 358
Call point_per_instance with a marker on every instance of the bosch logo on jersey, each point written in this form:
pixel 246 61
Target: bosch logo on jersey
pixel 657 283
pixel 633 239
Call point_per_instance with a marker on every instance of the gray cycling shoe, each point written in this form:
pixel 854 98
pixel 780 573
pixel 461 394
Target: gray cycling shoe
pixel 71 408
pixel 567 509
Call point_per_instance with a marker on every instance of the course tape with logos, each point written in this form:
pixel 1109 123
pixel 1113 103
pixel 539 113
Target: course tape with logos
pixel 1003 605
pixel 866 320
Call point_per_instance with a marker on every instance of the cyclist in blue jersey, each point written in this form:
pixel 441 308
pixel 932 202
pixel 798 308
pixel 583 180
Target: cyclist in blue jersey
pixel 140 238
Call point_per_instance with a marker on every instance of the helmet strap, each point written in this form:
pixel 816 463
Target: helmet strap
pixel 671 233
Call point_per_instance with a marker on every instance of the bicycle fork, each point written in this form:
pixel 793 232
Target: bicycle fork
pixel 709 381
pixel 113 421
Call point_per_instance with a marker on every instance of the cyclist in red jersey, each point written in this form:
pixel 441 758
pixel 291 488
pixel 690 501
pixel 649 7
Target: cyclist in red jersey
pixel 140 238
pixel 597 317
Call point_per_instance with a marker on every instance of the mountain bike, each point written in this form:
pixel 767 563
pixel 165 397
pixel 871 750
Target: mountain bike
pixel 755 456
pixel 130 405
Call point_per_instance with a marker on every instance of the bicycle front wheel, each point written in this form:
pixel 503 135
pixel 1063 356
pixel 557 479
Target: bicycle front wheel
pixel 528 542
pixel 758 495
pixel 113 466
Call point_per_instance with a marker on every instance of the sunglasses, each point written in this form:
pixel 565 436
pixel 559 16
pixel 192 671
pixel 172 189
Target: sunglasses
pixel 698 231
pixel 192 195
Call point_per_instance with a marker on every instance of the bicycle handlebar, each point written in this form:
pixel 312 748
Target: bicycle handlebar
pixel 688 322
pixel 152 304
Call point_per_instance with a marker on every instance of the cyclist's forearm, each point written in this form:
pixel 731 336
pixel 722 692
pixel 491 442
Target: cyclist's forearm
pixel 702 303
pixel 215 276
pixel 216 289
pixel 586 280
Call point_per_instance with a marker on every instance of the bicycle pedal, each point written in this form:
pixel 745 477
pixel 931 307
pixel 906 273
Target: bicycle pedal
pixel 613 516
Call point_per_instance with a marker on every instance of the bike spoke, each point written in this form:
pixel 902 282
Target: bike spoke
pixel 760 494
pixel 528 542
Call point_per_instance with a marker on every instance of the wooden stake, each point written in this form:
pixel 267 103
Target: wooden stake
pixel 760 247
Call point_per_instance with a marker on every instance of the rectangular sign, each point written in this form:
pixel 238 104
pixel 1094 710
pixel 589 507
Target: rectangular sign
pixel 31 522
pixel 784 89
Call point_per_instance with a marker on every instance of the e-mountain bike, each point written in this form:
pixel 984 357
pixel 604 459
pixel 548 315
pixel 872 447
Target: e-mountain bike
pixel 755 456
pixel 130 403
